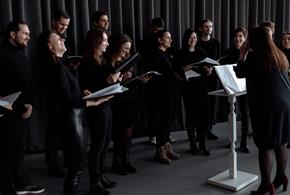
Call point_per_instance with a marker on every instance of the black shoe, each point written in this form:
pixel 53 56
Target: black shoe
pixel 204 150
pixel 56 172
pixel 130 168
pixel 30 189
pixel 107 183
pixel 194 149
pixel 212 136
pixel 228 146
pixel 244 149
pixel 99 190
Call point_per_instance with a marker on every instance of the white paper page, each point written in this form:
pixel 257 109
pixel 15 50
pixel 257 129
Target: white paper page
pixel 190 74
pixel 229 80
pixel 8 100
pixel 207 60
pixel 113 89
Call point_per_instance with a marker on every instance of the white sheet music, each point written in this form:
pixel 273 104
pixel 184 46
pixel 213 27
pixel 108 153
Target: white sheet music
pixel 8 100
pixel 230 82
pixel 111 90
pixel 191 74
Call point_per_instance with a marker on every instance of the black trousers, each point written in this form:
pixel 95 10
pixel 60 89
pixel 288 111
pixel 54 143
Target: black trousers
pixel 53 135
pixel 196 102
pixel 100 125
pixel 165 102
pixel 13 145
pixel 74 138
pixel 244 109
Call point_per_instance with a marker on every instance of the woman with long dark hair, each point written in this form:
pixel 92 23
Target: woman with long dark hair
pixel 124 107
pixel 265 68
pixel 94 75
pixel 195 93
pixel 63 87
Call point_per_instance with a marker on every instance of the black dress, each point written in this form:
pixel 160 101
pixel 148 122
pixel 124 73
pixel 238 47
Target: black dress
pixel 268 95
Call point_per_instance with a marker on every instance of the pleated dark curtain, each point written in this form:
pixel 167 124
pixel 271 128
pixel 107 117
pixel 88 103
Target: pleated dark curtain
pixel 133 18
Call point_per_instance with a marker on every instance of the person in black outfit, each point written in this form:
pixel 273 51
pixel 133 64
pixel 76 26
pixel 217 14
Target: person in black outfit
pixel 60 23
pixel 15 75
pixel 123 122
pixel 231 56
pixel 164 90
pixel 285 44
pixel 95 74
pixel 270 26
pixel 100 20
pixel 212 48
pixel 64 89
pixel 268 88
pixel 285 47
pixel 145 48
pixel 195 93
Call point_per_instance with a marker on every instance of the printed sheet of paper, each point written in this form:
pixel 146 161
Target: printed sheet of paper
pixel 191 74
pixel 8 100
pixel 230 82
pixel 111 90
pixel 207 61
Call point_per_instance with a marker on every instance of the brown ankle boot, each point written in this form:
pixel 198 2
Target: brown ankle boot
pixel 170 153
pixel 161 155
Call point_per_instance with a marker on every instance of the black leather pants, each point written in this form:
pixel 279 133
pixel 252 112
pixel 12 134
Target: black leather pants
pixel 74 139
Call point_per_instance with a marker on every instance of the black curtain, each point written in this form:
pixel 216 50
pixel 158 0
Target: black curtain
pixel 133 18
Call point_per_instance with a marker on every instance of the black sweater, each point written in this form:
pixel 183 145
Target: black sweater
pixel 15 75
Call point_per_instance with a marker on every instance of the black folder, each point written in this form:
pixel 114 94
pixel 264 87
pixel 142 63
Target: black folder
pixel 128 62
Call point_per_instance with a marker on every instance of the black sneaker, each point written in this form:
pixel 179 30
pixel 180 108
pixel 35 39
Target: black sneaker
pixel 30 189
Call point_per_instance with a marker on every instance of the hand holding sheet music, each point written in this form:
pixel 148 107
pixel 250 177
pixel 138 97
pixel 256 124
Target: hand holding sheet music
pixel 147 74
pixel 7 102
pixel 191 74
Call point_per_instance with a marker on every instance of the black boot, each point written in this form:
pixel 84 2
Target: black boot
pixel 71 183
pixel 193 146
pixel 129 167
pixel 244 144
pixel 192 140
pixel 107 183
pixel 118 166
pixel 98 189
pixel 126 159
pixel 203 149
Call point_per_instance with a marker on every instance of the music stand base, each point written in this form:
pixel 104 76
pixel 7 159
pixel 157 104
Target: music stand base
pixel 223 180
